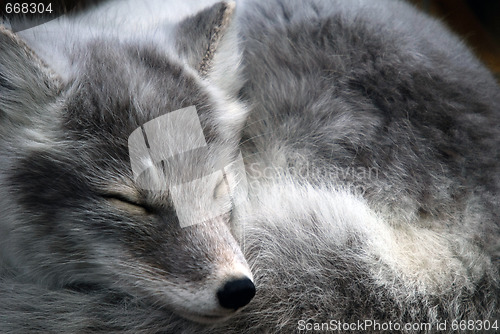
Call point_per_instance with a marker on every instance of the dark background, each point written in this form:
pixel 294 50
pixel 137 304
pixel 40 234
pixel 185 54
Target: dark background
pixel 477 21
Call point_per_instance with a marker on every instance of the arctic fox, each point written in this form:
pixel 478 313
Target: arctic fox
pixel 369 200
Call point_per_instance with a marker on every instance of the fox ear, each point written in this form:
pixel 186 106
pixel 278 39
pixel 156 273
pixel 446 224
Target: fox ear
pixel 208 41
pixel 27 85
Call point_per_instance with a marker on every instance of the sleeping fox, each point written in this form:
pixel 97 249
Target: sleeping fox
pixel 250 167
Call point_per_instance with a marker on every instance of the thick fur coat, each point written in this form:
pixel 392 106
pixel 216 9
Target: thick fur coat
pixel 370 138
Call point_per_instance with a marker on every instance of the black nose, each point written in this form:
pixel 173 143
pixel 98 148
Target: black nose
pixel 236 293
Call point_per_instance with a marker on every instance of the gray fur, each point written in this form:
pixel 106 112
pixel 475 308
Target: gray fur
pixel 371 146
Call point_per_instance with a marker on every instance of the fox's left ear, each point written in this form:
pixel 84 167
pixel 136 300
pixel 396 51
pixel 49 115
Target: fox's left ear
pixel 27 86
pixel 209 44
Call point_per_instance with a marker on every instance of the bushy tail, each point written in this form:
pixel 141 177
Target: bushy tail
pixel 29 308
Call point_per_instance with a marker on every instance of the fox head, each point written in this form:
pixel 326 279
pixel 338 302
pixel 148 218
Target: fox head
pixel 72 212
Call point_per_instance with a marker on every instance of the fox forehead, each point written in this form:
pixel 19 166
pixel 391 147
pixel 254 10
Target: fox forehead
pixel 118 91
pixel 119 87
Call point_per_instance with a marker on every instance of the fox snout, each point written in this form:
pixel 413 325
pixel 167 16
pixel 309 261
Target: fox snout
pixel 210 305
pixel 227 287
pixel 236 293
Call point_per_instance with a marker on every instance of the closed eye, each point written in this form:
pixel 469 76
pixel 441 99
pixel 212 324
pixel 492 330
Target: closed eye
pixel 125 203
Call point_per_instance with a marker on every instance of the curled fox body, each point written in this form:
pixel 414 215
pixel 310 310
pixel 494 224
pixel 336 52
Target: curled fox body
pixel 369 136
